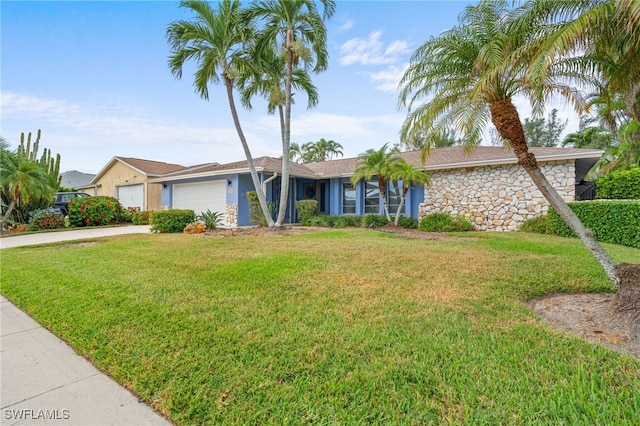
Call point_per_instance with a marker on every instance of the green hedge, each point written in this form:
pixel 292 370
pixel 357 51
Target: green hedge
pixel 616 222
pixel 442 222
pixel 619 185
pixel 171 220
pixel 306 209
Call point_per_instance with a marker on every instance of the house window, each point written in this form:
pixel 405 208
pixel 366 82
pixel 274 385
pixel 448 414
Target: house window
pixel 394 192
pixel 372 198
pixel 348 199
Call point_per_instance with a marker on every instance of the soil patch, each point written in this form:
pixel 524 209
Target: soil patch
pixel 612 320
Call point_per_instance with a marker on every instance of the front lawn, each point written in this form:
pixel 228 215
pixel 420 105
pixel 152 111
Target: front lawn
pixel 334 327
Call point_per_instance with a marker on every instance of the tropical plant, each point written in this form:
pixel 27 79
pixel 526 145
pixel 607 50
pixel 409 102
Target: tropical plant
pixel 442 222
pixel 306 209
pixel 22 180
pixel 589 136
pixel 210 219
pixel 379 163
pixel 312 152
pixel 295 29
pixel 220 42
pixel 470 75
pixel 408 174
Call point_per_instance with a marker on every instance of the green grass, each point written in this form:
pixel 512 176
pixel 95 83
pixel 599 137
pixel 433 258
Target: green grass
pixel 335 327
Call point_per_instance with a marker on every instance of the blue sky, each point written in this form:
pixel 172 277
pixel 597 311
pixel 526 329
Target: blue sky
pixel 94 77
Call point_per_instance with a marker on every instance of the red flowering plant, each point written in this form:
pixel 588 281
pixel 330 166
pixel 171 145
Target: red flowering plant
pixel 93 211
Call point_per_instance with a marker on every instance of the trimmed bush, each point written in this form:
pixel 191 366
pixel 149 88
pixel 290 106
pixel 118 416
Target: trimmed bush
pixel 441 222
pixel 306 209
pixel 140 218
pixel 536 225
pixel 616 222
pixel 619 185
pixel 374 221
pixel 45 219
pixel 171 220
pixel 94 211
pixel 408 222
pixel 128 213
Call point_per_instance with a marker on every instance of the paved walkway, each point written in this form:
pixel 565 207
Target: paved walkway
pixel 44 382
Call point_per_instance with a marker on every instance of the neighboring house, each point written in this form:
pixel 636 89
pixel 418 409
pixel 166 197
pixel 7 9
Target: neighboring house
pixel 127 180
pixel 485 185
pixel 75 179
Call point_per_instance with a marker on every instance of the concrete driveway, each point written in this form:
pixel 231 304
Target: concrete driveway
pixel 76 234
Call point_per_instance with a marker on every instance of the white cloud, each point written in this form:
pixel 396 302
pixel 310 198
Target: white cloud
pixel 371 51
pixel 346 25
pixel 387 80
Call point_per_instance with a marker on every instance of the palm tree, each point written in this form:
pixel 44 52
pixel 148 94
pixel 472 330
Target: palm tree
pixel 471 74
pixel 408 174
pixel 267 78
pixel 23 180
pixel 297 27
pixel 219 41
pixel 379 163
pixel 326 149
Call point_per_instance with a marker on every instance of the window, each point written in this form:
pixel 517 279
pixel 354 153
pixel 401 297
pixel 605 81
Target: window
pixel 394 193
pixel 348 199
pixel 372 198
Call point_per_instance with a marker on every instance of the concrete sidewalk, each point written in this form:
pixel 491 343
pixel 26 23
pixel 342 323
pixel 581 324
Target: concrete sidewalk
pixel 44 382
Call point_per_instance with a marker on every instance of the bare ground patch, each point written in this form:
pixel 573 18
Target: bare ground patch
pixel 612 320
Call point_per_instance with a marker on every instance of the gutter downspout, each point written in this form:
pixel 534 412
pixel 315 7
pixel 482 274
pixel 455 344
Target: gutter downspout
pixel 264 184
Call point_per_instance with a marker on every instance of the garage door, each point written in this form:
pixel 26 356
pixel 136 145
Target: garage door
pixel 201 196
pixel 131 196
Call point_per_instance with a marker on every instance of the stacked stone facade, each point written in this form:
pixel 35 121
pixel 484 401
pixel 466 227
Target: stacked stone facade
pixel 496 198
pixel 231 216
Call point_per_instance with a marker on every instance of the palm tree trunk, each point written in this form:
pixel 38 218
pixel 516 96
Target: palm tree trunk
pixel 382 186
pixel 504 116
pixel 402 198
pixel 247 152
pixel 12 204
pixel 286 137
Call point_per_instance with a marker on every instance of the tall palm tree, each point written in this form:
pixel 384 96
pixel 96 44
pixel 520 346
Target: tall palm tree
pixel 379 163
pixel 296 27
pixel 409 175
pixel 471 74
pixel 219 41
pixel 327 149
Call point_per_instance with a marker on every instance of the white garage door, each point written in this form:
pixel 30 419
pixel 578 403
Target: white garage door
pixel 201 196
pixel 131 196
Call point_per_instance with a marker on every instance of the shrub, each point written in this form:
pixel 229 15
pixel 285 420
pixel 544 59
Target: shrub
pixel 408 222
pixel 374 221
pixel 536 225
pixel 619 185
pixel 211 219
pixel 616 222
pixel 140 218
pixel 171 220
pixel 442 222
pixel 94 211
pixel 45 219
pixel 306 209
pixel 255 211
pixel 127 214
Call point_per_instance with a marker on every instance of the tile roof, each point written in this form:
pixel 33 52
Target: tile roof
pixel 439 158
pixel 150 167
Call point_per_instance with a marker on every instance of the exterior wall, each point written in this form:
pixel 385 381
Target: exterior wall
pixel 120 174
pixel 497 198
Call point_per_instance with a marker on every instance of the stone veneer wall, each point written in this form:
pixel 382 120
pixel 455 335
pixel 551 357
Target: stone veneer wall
pixel 497 198
pixel 231 215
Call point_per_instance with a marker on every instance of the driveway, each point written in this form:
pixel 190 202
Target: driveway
pixel 76 234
